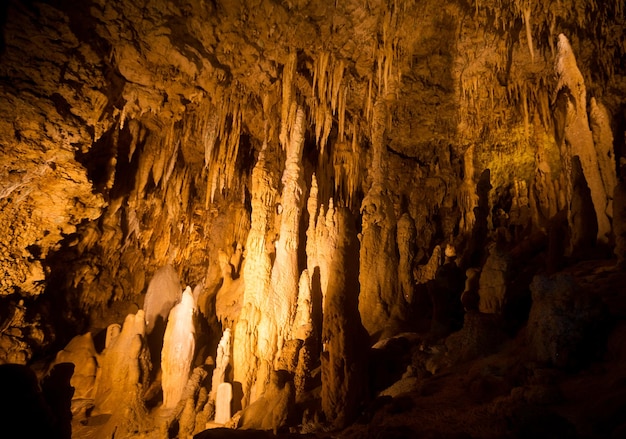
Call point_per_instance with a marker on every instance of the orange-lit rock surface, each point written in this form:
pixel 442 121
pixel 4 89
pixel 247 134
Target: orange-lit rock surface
pixel 428 139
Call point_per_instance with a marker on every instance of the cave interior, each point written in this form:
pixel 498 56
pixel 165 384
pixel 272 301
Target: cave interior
pixel 313 218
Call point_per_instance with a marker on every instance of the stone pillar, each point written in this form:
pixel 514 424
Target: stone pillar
pixel 222 403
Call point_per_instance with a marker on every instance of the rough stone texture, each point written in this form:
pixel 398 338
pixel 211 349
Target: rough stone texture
pixel 80 351
pixel 407 250
pixel 493 283
pixel 565 322
pixel 222 362
pixel 162 294
pixel 270 411
pixel 179 343
pixel 578 137
pixel 343 374
pixel 129 133
pixel 122 370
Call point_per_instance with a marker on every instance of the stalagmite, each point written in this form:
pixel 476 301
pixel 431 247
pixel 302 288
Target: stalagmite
pixel 256 274
pixel 578 136
pixel 285 275
pixel 467 197
pixel 121 368
pixel 493 282
pixel 261 335
pixel 603 139
pixel 379 300
pixel 302 323
pixel 407 249
pixel 344 338
pixel 222 361
pixel 178 350
pixel 222 403
pixel 543 191
pixel 80 351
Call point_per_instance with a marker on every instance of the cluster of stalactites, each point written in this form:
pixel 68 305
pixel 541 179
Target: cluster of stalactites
pixel 220 131
pixel 329 97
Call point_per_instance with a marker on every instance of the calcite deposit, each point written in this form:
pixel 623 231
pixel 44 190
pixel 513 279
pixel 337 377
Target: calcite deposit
pixel 400 218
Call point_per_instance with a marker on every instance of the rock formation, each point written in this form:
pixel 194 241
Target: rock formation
pixel 578 137
pixel 144 143
pixel 379 300
pixel 343 376
pixel 222 362
pixel 178 350
pixel 162 294
pixel 80 352
pixel 123 368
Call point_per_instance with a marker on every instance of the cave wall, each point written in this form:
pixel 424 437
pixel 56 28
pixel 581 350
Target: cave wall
pixel 131 136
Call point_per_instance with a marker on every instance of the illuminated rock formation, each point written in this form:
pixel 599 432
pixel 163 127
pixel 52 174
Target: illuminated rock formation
pixel 177 139
pixel 224 395
pixel 222 361
pixel 162 294
pixel 379 299
pixel 270 411
pixel 343 336
pixel 122 370
pixel 80 351
pixel 256 273
pixel 578 137
pixel 178 349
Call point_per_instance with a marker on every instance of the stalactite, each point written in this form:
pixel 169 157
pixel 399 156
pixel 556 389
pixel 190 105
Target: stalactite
pixel 289 71
pixel 529 33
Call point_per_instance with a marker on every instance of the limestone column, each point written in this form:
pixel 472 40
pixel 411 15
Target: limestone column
pixel 379 299
pixel 178 350
pixel 344 380
pixel 578 136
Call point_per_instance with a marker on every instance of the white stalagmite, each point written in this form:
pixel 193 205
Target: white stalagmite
pixel 178 349
pixel 222 360
pixel 578 136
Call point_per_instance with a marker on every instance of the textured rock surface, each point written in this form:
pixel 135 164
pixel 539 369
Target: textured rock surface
pixel 179 343
pixel 187 135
